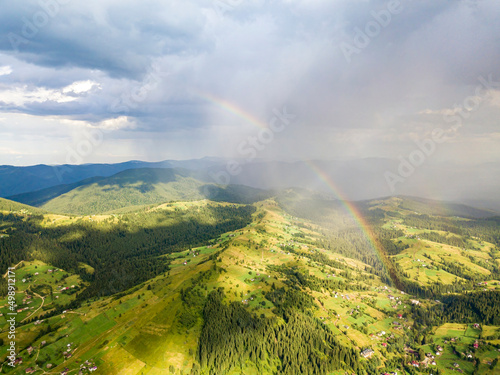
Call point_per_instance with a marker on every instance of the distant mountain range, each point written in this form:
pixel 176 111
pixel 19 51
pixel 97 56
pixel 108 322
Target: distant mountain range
pixel 363 179
pixel 18 180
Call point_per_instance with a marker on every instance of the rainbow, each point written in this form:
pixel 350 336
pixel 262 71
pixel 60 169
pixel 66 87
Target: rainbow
pixel 231 108
pixel 359 219
pixel 349 206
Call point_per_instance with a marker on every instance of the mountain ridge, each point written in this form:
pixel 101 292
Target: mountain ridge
pixel 136 187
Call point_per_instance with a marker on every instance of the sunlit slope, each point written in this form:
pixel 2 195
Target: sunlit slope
pixel 40 197
pixel 434 247
pixel 444 253
pixel 278 295
pixel 138 187
pixel 161 322
pixel 7 205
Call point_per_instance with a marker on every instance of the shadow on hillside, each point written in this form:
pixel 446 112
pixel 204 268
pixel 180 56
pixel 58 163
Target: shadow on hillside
pixel 123 254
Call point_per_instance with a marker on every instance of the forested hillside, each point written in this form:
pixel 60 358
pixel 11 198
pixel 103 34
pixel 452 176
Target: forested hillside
pixel 290 284
pixel 136 188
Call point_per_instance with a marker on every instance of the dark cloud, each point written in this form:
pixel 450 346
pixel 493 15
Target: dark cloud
pixel 180 69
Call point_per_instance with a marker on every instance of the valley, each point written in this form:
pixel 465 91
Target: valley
pixel 274 269
pixel 250 187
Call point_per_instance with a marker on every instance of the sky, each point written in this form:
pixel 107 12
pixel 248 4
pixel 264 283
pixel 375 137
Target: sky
pixel 109 81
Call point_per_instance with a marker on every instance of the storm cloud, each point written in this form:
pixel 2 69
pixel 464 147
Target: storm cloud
pixel 184 79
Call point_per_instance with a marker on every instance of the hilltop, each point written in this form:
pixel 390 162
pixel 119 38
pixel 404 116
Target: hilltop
pixel 136 188
pixel 358 179
pixel 19 180
pixel 8 205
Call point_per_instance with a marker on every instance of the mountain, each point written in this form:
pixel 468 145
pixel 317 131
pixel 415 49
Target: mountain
pixel 443 208
pixel 292 284
pixel 18 180
pixel 136 187
pixel 143 186
pixel 11 206
pixel 364 179
pixel 40 197
pixel 359 179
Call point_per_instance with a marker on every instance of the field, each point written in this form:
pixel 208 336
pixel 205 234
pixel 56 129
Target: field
pixel 154 327
pixel 131 331
pixel 461 345
pixel 430 262
pixel 39 284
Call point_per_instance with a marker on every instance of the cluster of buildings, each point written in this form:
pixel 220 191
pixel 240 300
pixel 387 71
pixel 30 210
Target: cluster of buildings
pixel 87 366
pixel 64 288
pixel 68 353
pixel 367 353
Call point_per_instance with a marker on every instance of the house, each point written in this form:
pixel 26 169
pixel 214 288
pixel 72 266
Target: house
pixel 367 353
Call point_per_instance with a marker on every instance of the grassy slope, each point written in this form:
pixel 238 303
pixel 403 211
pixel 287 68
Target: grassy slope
pixel 40 197
pixel 133 335
pixel 138 187
pixel 7 205
pixel 439 208
pixel 144 335
pixel 100 197
pixel 424 260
